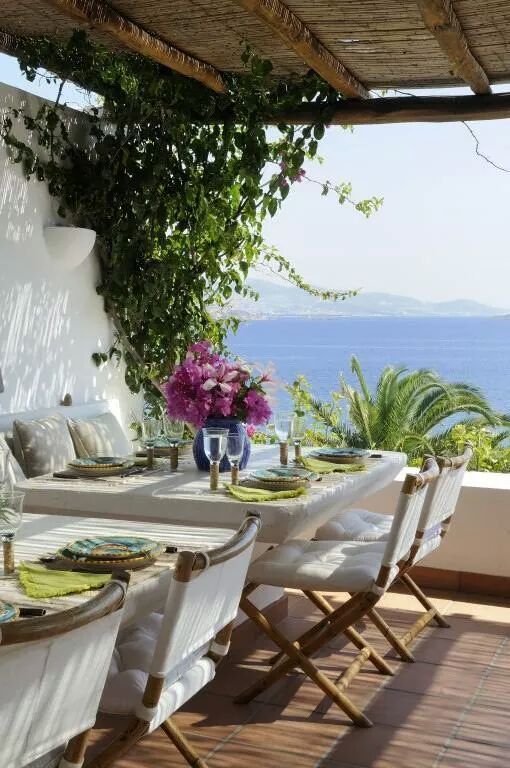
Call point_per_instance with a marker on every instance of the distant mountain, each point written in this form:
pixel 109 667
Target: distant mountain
pixel 284 299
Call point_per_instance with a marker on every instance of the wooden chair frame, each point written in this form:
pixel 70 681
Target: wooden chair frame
pixel 188 564
pixel 432 613
pixel 298 653
pixel 110 599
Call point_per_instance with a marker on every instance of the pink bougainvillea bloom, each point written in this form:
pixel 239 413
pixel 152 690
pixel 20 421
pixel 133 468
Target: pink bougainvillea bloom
pixel 251 430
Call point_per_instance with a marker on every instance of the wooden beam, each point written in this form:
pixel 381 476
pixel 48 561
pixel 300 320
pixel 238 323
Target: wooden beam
pixel 405 109
pixel 441 19
pixel 102 16
pixel 298 37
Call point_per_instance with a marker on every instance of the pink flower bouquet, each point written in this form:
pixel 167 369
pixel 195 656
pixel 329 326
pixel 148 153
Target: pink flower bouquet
pixel 207 385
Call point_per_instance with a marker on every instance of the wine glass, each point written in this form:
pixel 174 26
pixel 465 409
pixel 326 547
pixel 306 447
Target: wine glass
pixel 283 429
pixel 11 510
pixel 298 433
pixel 215 445
pixel 151 429
pixel 4 469
pixel 173 431
pixel 235 448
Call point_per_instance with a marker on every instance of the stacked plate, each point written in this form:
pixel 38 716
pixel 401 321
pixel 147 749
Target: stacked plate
pixel 99 466
pixel 107 553
pixel 279 479
pixel 341 455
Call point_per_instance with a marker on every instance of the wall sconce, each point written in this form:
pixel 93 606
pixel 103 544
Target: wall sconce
pixel 69 246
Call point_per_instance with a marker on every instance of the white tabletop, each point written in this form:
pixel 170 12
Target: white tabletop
pixel 183 497
pixel 44 534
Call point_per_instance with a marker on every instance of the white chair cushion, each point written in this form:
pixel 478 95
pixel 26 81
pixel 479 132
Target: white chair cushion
pixel 327 566
pixel 130 666
pixel 356 525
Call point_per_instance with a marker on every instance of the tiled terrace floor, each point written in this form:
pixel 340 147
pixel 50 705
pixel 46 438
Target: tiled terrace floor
pixel 451 709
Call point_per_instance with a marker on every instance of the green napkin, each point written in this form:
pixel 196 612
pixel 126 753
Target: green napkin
pixel 243 493
pixel 325 467
pixel 39 581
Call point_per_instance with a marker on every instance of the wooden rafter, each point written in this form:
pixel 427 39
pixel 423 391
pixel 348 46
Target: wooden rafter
pixel 102 16
pixel 441 19
pixel 298 37
pixel 404 109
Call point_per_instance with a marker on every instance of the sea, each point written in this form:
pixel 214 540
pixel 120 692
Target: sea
pixel 465 349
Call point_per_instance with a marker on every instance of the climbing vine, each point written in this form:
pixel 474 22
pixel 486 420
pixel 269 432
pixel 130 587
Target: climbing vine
pixel 176 180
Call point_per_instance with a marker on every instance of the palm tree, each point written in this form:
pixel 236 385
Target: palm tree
pixel 405 412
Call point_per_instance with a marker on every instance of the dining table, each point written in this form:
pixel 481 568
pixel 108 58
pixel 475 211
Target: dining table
pixel 183 497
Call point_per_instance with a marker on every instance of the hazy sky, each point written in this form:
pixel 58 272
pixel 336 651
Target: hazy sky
pixel 442 233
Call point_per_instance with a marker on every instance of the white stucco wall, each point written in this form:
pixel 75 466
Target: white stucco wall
pixel 51 320
pixel 479 538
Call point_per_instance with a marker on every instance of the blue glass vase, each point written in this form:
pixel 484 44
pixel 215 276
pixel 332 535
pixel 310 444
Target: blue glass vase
pixel 221 422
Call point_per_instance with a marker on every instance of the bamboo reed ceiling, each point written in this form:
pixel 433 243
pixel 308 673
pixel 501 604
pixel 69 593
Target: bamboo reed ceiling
pixel 382 43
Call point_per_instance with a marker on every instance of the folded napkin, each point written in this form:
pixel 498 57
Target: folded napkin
pixel 243 493
pixel 324 467
pixel 39 581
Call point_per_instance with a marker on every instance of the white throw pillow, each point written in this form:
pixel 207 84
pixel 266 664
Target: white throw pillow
pixel 43 445
pixel 100 436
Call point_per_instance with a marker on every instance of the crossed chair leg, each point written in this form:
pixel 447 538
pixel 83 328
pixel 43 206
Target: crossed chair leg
pixel 298 653
pixel 399 644
pixel 136 731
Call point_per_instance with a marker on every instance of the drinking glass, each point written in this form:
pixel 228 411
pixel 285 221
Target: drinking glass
pixel 235 448
pixel 151 429
pixel 4 469
pixel 298 433
pixel 173 430
pixel 283 429
pixel 215 445
pixel 11 510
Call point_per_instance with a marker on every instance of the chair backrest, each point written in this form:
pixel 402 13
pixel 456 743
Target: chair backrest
pixel 440 503
pixel 52 672
pixel 203 599
pixel 405 520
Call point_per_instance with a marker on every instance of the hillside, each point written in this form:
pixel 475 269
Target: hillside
pixel 284 299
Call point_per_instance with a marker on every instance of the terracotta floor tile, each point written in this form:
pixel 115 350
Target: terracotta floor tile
pixel 386 747
pixel 421 712
pixel 433 679
pixel 468 754
pixel 293 729
pixel 485 724
pixel 214 716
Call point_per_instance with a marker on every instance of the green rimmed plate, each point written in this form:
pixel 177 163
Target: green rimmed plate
pixel 97 462
pixel 111 548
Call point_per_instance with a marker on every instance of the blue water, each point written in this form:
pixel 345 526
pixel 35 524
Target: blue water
pixel 472 350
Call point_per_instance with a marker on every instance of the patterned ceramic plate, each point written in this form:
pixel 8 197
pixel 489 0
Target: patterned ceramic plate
pixel 341 455
pixel 97 462
pixel 281 474
pixel 110 548
pixel 8 612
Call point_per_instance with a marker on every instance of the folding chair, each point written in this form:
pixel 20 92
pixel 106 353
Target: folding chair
pixel 435 520
pixel 162 662
pixel 364 569
pixel 53 670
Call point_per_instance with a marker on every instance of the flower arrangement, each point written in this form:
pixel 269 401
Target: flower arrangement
pixel 206 384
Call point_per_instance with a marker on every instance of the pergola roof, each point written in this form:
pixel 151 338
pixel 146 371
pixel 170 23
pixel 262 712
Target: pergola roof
pixel 356 45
